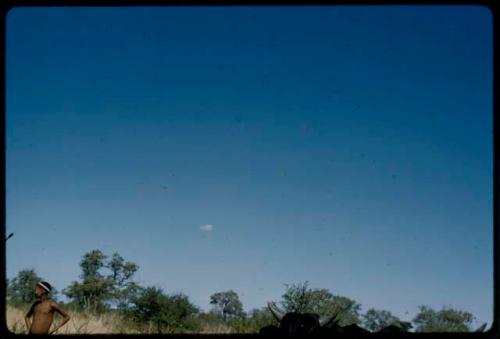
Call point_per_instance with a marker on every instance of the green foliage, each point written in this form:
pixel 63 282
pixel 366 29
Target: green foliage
pixel 160 312
pixel 91 263
pixel 374 320
pixel 97 290
pixel 258 318
pixel 21 289
pixel 91 294
pixel 94 289
pixel 300 298
pixel 446 320
pixel 251 322
pixel 227 304
pixel 347 309
pixel 148 307
pixel 121 274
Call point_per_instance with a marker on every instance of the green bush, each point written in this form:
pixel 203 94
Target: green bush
pixel 155 312
pixel 446 320
pixel 21 289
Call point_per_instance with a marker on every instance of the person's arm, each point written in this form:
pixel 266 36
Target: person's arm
pixel 27 321
pixel 28 316
pixel 65 315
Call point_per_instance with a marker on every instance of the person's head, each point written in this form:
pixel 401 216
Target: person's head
pixel 42 288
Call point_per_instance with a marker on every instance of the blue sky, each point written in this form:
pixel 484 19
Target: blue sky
pixel 350 147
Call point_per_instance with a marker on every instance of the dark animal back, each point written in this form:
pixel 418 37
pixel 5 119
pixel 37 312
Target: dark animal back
pixel 392 329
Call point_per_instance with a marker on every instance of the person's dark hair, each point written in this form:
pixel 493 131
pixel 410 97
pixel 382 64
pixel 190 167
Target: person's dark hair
pixel 45 285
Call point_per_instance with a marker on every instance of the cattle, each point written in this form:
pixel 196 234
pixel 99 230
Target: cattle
pixel 300 324
pixel 393 329
pixel 292 323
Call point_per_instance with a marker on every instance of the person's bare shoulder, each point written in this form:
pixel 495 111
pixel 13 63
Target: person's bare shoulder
pixel 55 306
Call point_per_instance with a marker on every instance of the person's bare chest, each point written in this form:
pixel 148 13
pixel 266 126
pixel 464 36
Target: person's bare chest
pixel 43 310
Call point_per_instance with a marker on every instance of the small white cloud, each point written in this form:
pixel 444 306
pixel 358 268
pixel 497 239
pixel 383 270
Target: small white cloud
pixel 207 228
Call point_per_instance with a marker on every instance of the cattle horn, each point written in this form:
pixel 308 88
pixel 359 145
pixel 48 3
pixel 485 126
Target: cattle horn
pixel 329 320
pixel 481 328
pixel 276 312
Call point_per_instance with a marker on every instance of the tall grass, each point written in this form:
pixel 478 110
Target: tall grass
pixel 79 323
pixel 106 323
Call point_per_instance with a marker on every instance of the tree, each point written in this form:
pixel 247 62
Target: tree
pixel 302 299
pixel 94 290
pixel 180 312
pixel 227 304
pixel 374 320
pixel 147 306
pixel 90 295
pixel 347 309
pixel 97 291
pixel 162 312
pixel 91 263
pixel 21 289
pixel 446 320
pixel 121 273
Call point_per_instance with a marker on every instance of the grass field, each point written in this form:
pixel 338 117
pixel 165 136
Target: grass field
pixel 78 324
pixel 96 324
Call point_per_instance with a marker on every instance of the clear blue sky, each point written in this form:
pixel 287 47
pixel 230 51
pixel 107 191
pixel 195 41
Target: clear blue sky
pixel 350 147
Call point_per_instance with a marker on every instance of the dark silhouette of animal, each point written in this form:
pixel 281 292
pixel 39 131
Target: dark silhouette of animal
pixel 392 329
pixel 294 323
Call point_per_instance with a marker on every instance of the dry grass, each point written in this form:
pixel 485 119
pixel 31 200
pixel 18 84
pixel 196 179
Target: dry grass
pixel 81 323
pixel 15 320
pixel 78 324
pixel 208 328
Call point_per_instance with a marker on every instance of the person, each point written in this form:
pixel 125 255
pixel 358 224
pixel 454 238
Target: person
pixel 43 310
